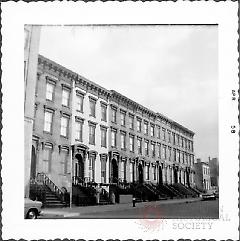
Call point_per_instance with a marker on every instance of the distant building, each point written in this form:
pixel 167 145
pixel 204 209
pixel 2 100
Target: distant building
pixel 202 175
pixel 214 171
pixel 31 45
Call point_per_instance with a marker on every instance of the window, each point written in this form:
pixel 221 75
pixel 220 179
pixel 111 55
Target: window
pixel 131 143
pixel 123 118
pixel 92 104
pixel 122 166
pixel 131 122
pixel 114 138
pixel 123 141
pixel 103 112
pixel 114 115
pixel 146 148
pixel 158 132
pixel 47 155
pixel 169 153
pixel 164 152
pixel 174 155
pixel 145 128
pixel 159 150
pixel 139 144
pixel 139 125
pixel 92 128
pixel 103 170
pixel 169 136
pixel 64 126
pixel 65 97
pixel 147 172
pixel 79 130
pixel 64 161
pixel 48 118
pixel 152 130
pixel 50 91
pixel 103 137
pixel 79 102
pixel 164 134
pixel 91 168
pixel 174 141
pixel 131 172
pixel 153 149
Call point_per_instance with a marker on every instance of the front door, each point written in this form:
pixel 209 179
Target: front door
pixel 140 173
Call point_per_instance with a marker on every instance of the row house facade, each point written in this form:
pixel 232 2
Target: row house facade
pixel 84 133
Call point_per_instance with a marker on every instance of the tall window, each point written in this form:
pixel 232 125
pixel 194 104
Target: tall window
pixel 64 126
pixel 153 149
pixel 131 172
pixel 164 134
pixel 114 115
pixel 92 128
pixel 123 140
pixel 152 130
pixel 139 125
pixel 79 102
pixel 169 136
pixel 79 130
pixel 159 150
pixel 48 119
pixel 145 128
pixel 131 143
pixel 64 161
pixel 103 137
pixel 146 148
pixel 164 152
pixel 103 112
pixel 131 122
pixel 123 118
pixel 47 155
pixel 50 91
pixel 174 141
pixel 103 170
pixel 139 144
pixel 114 138
pixel 92 104
pixel 91 168
pixel 158 132
pixel 147 172
pixel 65 97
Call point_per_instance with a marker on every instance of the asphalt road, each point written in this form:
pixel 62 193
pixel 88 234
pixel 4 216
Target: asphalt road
pixel 198 210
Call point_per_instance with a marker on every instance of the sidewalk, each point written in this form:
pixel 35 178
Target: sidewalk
pixel 76 211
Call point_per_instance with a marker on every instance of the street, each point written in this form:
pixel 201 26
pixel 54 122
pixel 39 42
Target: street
pixel 149 210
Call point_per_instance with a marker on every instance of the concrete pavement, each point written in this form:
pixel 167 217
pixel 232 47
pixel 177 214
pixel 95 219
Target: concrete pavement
pixel 67 212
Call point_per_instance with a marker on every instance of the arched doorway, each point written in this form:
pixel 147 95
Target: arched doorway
pixel 79 168
pixel 114 171
pixel 175 175
pixel 140 173
pixel 160 175
pixel 33 163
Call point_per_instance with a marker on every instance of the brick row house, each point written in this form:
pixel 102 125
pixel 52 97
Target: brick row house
pixel 90 142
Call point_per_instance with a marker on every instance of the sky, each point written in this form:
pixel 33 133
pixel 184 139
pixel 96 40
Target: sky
pixel 171 69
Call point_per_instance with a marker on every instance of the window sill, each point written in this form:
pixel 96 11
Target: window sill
pixel 93 144
pixel 78 140
pixel 65 106
pixel 65 137
pixel 104 146
pixel 79 111
pixel 103 120
pixel 94 116
pixel 47 132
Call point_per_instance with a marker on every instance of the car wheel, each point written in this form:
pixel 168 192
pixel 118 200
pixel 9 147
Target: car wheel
pixel 32 214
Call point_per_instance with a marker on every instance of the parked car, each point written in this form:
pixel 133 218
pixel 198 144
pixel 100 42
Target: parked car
pixel 209 195
pixel 32 209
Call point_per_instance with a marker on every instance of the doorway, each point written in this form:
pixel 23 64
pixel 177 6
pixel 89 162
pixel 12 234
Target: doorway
pixel 114 171
pixel 140 173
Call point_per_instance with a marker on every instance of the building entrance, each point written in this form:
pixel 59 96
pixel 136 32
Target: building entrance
pixel 33 163
pixel 114 171
pixel 140 173
pixel 187 174
pixel 79 168
pixel 175 175
pixel 160 175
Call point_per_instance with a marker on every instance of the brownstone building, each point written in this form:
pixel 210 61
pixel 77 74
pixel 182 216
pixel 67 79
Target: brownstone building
pixel 91 144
